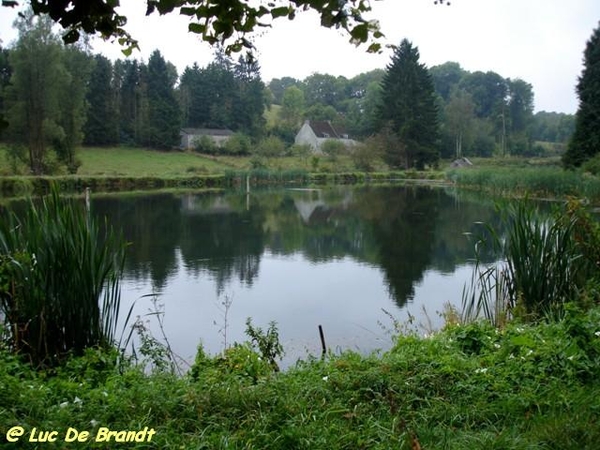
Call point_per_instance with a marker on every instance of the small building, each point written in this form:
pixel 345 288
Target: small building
pixel 190 136
pixel 461 162
pixel 314 133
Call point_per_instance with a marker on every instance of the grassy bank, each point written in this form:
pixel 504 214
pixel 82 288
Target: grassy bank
pixel 541 178
pixel 467 387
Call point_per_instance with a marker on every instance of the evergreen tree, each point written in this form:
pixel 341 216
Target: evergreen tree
pixel 132 101
pixel 101 127
pixel 164 124
pixel 250 107
pixel 5 73
pixel 408 110
pixel 585 141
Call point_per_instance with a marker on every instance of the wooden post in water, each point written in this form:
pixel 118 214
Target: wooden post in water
pixel 248 192
pixel 323 346
pixel 87 199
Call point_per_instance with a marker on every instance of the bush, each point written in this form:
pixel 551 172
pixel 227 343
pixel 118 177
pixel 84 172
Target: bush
pixel 333 149
pixel 592 165
pixel 238 144
pixel 205 145
pixel 270 147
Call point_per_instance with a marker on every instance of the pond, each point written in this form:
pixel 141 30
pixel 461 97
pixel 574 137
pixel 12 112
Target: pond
pixel 347 258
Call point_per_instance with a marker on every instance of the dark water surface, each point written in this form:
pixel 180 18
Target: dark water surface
pixel 336 257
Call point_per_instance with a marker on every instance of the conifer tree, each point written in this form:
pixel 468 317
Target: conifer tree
pixel 408 110
pixel 585 141
pixel 101 127
pixel 164 120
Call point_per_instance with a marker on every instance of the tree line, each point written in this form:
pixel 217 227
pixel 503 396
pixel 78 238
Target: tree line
pixel 58 97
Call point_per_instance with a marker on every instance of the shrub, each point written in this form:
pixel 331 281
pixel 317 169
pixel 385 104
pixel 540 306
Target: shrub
pixel 205 145
pixel 333 148
pixel 270 147
pixel 237 145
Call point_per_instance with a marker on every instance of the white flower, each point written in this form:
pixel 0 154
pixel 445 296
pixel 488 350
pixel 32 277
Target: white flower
pixel 496 345
pixel 105 393
pixel 64 404
pixel 325 378
pixel 483 370
pixel 93 422
pixel 77 400
pixel 597 333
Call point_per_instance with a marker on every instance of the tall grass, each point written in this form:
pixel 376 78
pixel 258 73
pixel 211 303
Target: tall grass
pixel 538 182
pixel 542 265
pixel 59 279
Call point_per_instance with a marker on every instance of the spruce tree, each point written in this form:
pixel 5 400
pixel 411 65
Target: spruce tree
pixel 101 127
pixel 585 141
pixel 164 120
pixel 408 110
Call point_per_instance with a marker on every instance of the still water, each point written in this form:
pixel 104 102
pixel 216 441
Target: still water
pixel 345 258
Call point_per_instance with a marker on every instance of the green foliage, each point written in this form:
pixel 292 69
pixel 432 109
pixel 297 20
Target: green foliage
pixel 61 275
pixel 205 144
pixel 269 147
pixel 164 123
pixel 470 386
pixel 408 108
pixel 101 126
pixel 585 141
pixel 543 181
pixel 544 264
pixel 333 148
pixel 238 144
pixel 267 343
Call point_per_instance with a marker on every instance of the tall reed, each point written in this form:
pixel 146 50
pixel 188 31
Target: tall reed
pixel 540 267
pixel 59 279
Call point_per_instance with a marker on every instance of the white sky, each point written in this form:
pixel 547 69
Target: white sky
pixel 540 41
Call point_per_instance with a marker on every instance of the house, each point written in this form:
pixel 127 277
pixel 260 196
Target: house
pixel 190 136
pixel 314 133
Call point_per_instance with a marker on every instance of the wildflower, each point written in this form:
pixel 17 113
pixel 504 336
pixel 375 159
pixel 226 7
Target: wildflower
pixel 482 370
pixel 326 377
pixel 597 333
pixel 77 400
pixel 64 404
pixel 94 422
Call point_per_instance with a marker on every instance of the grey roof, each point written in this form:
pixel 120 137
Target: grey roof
pixel 207 131
pixel 325 129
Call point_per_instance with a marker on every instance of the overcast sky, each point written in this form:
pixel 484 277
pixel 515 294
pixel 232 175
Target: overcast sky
pixel 539 41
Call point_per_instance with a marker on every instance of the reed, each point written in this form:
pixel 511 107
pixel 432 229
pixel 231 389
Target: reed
pixel 59 279
pixel 535 182
pixel 541 266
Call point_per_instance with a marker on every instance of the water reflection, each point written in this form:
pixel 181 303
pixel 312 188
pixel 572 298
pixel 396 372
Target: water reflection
pixel 338 254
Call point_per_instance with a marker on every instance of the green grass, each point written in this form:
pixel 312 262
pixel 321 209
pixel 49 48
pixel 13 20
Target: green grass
pixel 538 182
pixel 469 387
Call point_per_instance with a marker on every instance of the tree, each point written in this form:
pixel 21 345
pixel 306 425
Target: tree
pixel 216 21
pixel 250 105
pixel 5 74
pixel 101 127
pixel 459 117
pixel 585 141
pixel 408 109
pixel 35 87
pixel 292 106
pixel 73 106
pixel 163 126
